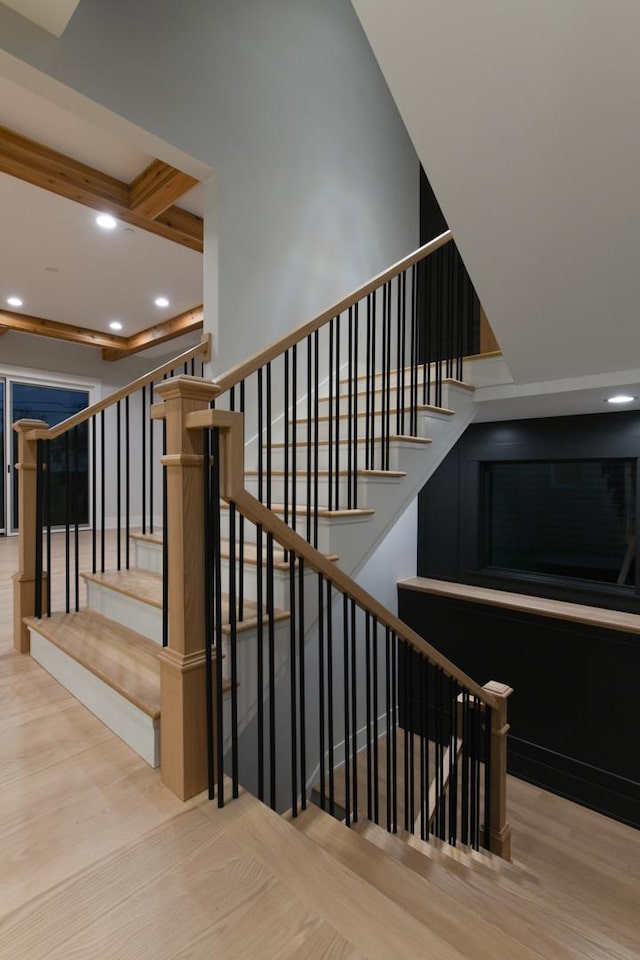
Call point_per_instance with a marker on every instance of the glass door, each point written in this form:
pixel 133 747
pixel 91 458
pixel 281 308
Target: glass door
pixel 3 471
pixel 53 404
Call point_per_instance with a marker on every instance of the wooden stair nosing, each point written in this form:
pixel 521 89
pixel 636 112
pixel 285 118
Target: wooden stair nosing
pixel 396 437
pixel 117 580
pixel 123 659
pixel 391 412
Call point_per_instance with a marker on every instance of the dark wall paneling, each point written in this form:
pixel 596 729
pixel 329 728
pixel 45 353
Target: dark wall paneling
pixel 573 712
pixel 449 506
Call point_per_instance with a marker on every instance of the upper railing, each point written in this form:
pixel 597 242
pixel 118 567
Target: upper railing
pixel 330 399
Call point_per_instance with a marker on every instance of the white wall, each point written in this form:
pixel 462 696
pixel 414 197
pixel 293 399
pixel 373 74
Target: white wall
pixel 316 178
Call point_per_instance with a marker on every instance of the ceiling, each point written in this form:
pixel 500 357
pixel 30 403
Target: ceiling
pixel 51 15
pixel 56 259
pixel 524 116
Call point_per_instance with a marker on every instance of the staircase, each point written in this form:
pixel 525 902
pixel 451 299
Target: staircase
pixel 238 620
pixel 106 652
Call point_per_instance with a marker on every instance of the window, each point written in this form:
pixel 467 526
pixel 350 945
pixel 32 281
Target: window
pixel 563 518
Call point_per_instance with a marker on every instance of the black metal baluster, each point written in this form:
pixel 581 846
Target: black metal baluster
pixel 48 485
pixel 367 648
pixel 330 418
pixel 413 352
pixel 293 685
pixel 268 417
pixel 241 534
pixel 423 722
pixel 286 439
pixel 368 462
pixel 165 540
pixel 376 741
pixel 76 525
pixel 321 690
pixel 347 770
pixel 94 499
pixel 144 460
pixel 260 658
pixel 453 762
pixel 350 410
pixel 315 437
pixel 336 467
pixel 394 723
pixel 294 438
pixel 301 661
pixel 233 644
pixel 67 512
pixel 388 381
pixel 127 470
pixel 389 723
pixel 373 383
pixel 102 491
pixel 118 486
pixel 355 407
pixel 151 460
pixel 260 438
pixel 464 812
pixel 272 673
pixel 354 711
pixel 332 796
pixel 308 431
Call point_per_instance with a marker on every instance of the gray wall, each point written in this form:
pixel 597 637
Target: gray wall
pixel 316 178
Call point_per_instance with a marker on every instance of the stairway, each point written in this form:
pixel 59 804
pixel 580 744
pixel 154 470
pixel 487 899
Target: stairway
pixel 106 652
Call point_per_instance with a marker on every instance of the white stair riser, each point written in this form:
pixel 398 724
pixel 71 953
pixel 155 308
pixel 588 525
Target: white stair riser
pixel 129 611
pixel 394 425
pixel 365 490
pixel 148 555
pixel 358 460
pixel 140 731
pixel 392 398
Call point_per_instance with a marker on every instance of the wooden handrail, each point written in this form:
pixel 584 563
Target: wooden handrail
pixel 233 489
pixel 201 349
pixel 244 369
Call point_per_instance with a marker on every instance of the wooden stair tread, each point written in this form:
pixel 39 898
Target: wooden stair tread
pixel 146 587
pixel 323 512
pixel 344 441
pixel 391 412
pixel 395 474
pixel 470 932
pixel 125 660
pixel 143 585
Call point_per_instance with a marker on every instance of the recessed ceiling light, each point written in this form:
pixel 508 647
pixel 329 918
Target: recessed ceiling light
pixel 106 221
pixel 115 325
pixel 161 302
pixel 621 398
pixel 14 301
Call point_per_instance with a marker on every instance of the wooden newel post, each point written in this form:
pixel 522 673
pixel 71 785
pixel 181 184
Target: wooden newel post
pixel 499 828
pixel 24 580
pixel 183 747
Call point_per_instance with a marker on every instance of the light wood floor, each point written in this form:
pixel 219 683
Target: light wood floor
pixel 99 860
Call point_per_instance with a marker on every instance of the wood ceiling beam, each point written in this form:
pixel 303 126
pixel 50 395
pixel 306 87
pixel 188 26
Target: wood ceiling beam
pixel 36 164
pixel 59 331
pixel 157 188
pixel 186 322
